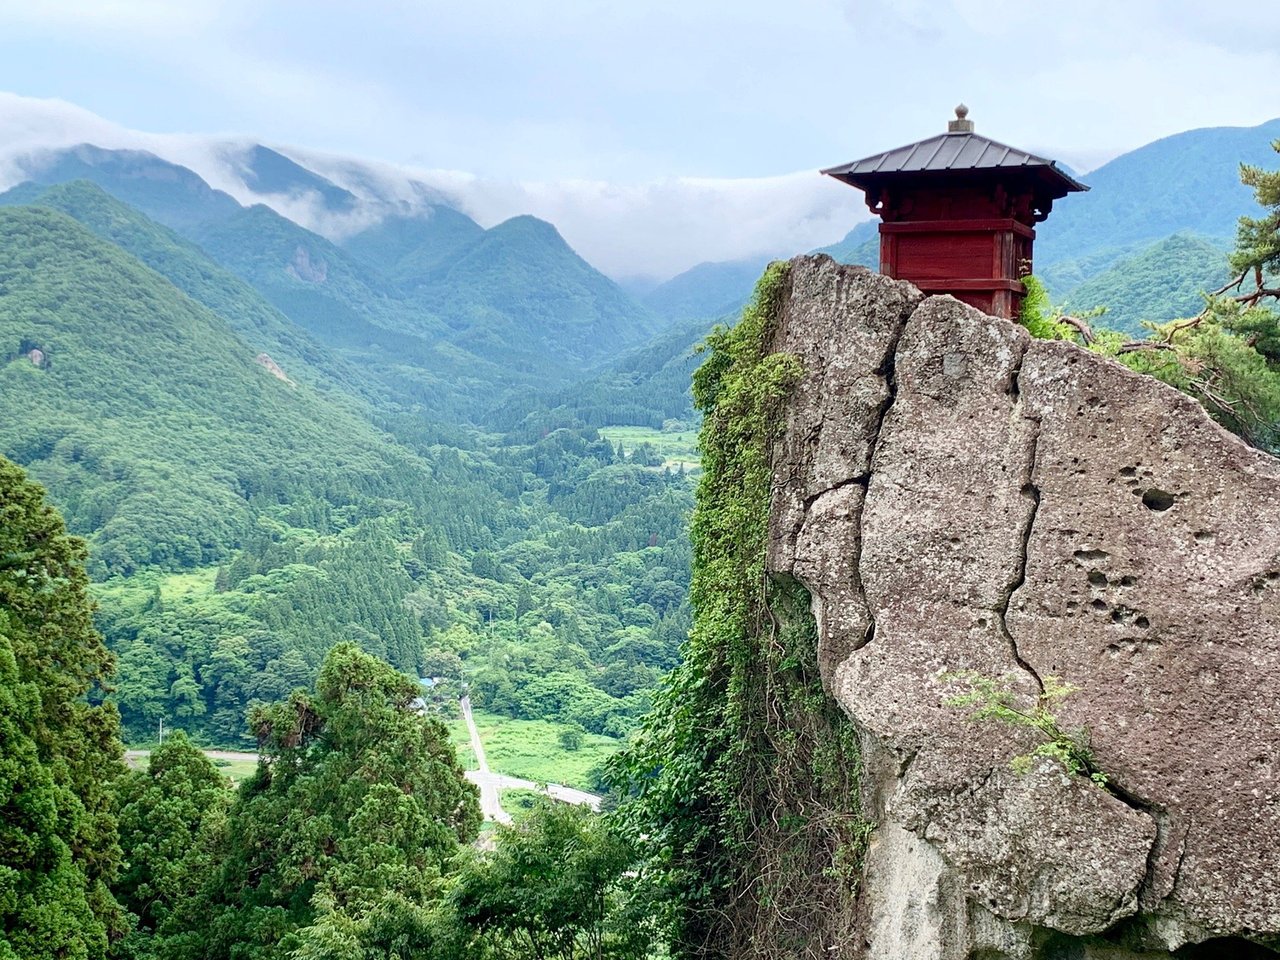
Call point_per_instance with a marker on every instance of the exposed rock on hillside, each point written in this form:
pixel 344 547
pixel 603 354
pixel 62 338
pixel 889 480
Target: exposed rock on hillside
pixel 959 497
pixel 264 360
pixel 303 267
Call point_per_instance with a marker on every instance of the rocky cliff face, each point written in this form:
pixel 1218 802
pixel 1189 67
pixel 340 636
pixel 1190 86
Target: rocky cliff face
pixel 959 497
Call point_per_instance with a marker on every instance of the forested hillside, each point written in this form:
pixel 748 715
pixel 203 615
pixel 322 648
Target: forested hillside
pixel 1187 182
pixel 260 325
pixel 347 841
pixel 438 310
pixel 148 415
pixel 243 523
pixel 1163 281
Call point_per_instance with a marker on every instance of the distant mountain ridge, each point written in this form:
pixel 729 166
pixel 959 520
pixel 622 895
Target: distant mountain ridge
pixel 707 290
pixel 186 266
pixel 139 385
pixel 438 308
pixel 166 192
pixel 1187 184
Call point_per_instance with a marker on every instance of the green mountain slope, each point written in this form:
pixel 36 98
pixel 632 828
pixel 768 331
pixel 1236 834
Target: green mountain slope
pixel 1187 182
pixel 520 295
pixel 262 327
pixel 860 245
pixel 644 387
pixel 1162 282
pixel 406 248
pixel 711 290
pixel 353 309
pixel 147 416
pixel 298 270
pixel 442 313
pixel 705 291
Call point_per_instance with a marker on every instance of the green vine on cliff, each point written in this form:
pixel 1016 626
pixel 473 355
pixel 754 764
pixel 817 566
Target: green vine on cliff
pixel 743 779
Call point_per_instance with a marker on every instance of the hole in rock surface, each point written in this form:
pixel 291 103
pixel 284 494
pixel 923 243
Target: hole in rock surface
pixel 1157 500
pixel 1086 555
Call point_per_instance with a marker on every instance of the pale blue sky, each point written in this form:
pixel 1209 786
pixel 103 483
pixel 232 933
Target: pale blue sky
pixel 647 89
pixel 635 93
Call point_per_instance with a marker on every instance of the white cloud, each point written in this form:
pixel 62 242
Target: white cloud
pixel 658 227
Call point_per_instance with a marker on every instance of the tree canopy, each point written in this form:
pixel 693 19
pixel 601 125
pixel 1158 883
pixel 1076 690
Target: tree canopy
pixel 59 752
pixel 358 801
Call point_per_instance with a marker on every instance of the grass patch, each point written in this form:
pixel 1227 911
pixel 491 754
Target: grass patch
pixel 531 749
pixel 462 740
pixel 678 448
pixel 237 770
pixel 519 802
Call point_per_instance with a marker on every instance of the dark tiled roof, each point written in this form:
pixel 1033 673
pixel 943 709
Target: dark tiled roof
pixel 951 151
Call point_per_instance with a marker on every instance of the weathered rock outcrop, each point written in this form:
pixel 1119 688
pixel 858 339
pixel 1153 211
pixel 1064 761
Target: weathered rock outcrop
pixel 264 360
pixel 959 497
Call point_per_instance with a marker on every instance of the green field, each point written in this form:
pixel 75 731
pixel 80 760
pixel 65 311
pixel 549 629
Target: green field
pixel 678 448
pixel 237 770
pixel 461 740
pixel 531 749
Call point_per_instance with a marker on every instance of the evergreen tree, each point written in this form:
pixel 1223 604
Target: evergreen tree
pixel 168 815
pixel 59 751
pixel 357 805
pixel 558 885
pixel 1258 238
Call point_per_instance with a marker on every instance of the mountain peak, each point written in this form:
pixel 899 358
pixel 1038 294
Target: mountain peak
pixel 528 225
pixel 269 172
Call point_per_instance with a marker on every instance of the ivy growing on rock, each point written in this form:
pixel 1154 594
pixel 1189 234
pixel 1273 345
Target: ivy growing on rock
pixel 743 780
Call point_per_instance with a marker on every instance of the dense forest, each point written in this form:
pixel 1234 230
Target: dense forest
pixel 349 841
pixel 241 524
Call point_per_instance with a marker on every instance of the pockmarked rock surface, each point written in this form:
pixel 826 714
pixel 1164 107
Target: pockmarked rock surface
pixel 959 497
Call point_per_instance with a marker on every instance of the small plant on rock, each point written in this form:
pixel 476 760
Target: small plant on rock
pixel 991 698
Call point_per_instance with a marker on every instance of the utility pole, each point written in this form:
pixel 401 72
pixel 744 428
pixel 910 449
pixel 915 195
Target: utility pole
pixel 162 731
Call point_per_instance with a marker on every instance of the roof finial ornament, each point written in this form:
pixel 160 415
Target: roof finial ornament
pixel 961 124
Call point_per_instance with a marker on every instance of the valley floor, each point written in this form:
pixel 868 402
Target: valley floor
pixel 239 764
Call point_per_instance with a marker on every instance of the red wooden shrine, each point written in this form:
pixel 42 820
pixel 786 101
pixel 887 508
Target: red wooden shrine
pixel 958 213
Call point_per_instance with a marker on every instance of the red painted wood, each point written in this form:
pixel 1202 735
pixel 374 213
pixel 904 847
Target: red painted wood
pixel 926 256
pixel 969 234
pixel 970 285
pixel 991 224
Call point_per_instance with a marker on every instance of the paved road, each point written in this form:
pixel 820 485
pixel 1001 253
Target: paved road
pixel 487 781
pixel 490 783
